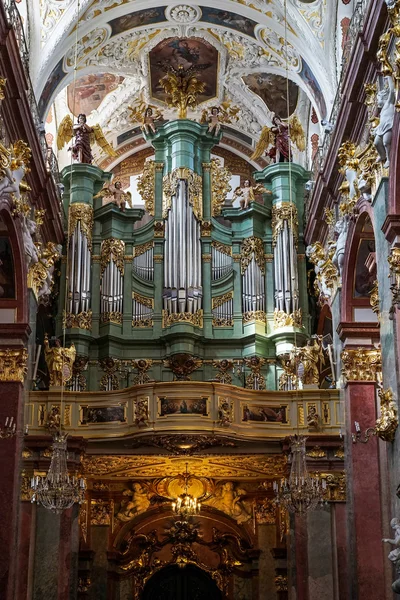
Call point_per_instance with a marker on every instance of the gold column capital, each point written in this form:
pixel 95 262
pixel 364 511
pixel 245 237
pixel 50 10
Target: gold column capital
pixel 362 364
pixel 13 364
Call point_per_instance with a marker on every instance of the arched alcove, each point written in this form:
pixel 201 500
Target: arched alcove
pixel 179 583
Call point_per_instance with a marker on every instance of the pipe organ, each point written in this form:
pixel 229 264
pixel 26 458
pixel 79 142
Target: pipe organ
pixel 142 311
pixel 182 260
pixel 143 258
pixel 285 238
pixel 222 310
pixel 112 280
pixel 253 279
pixel 222 263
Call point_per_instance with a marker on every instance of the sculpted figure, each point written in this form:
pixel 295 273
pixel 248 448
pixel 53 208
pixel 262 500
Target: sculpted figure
pixel 28 231
pixel 247 193
pixel 229 501
pixel 85 136
pixel 214 125
pixel 113 192
pixel 394 555
pixel 148 124
pixel 308 356
pixel 312 418
pixel 53 419
pixel 59 361
pixel 49 255
pixel 224 413
pixel 81 149
pixel 383 132
pixel 341 231
pixel 141 413
pixel 138 503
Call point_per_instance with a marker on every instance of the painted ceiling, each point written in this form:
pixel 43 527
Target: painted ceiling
pixel 247 48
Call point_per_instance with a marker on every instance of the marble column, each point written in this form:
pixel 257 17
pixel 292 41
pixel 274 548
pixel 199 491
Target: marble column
pixel 341 552
pixel 26 550
pixel 320 548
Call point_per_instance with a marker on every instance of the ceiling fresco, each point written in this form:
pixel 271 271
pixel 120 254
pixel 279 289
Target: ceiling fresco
pixel 89 91
pixel 272 89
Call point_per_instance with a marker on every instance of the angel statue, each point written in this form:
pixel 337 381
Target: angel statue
pixel 248 192
pixel 386 100
pixel 85 137
pixel 59 361
pixel 113 192
pixel 219 115
pixel 278 137
pixel 146 115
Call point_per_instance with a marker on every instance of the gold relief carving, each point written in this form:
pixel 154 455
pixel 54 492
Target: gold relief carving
pixel 111 317
pixel 218 301
pixel 228 498
pixel 252 246
pixel 206 167
pixel 182 89
pixel 195 319
pixel 146 185
pixel 158 258
pixel 112 249
pixel 288 381
pixel 257 315
pixel 223 248
pixel 3 82
pixel 84 584
pixel 224 367
pixel 27 453
pixel 301 415
pixel 249 466
pixel 255 380
pixel 225 411
pixel 270 257
pixel 148 302
pixel 236 258
pixel 128 258
pixel 110 366
pixel 82 320
pixel 282 319
pixel 374 298
pixel 220 186
pixel 182 365
pixel 100 512
pixel 265 512
pixel 339 453
pixel 195 190
pixel 327 274
pixel 313 418
pixel 96 258
pixel 135 501
pixel 141 413
pixel 25 490
pixel 139 250
pixel 394 266
pixel 13 364
pixel 83 520
pixel 362 364
pixel 387 423
pixel 316 452
pixel 159 229
pixel 217 322
pixel 286 211
pixel 142 365
pixel 205 228
pixel 311 357
pixel 143 323
pixel 336 486
pixel 281 583
pixel 42 270
pixel 67 415
pixel 83 213
pixel 206 258
pixel 326 413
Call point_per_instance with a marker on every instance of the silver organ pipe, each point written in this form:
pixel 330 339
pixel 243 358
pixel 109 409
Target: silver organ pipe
pixel 143 263
pixel 182 264
pixel 285 270
pixel 253 293
pixel 79 272
pixel 222 262
pixel 111 282
pixel 142 311
pixel 223 310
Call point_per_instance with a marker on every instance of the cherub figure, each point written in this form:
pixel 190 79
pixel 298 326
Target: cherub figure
pixel 219 115
pixel 312 418
pixel 85 136
pixel 138 503
pixel 248 192
pixel 386 100
pixel 113 192
pixel 394 555
pixel 146 115
pixel 277 136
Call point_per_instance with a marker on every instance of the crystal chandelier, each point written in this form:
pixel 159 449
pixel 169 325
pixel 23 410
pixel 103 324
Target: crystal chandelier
pixel 58 491
pixel 9 429
pixel 301 492
pixel 186 505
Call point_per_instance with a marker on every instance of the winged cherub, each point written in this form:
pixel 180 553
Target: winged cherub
pixel 219 115
pixel 279 137
pixel 247 193
pixel 85 136
pixel 113 192
pixel 146 115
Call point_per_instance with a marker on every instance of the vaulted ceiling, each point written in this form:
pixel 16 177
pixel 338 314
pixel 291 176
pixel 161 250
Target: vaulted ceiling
pixel 251 47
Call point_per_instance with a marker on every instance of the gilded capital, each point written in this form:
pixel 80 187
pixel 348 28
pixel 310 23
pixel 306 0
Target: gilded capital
pixel 13 364
pixel 362 364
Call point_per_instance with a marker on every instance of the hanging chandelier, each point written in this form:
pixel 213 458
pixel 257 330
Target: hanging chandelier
pixel 58 491
pixel 186 505
pixel 301 492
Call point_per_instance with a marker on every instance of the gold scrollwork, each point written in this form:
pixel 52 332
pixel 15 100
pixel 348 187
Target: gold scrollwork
pixel 42 270
pixel 388 421
pixel 112 249
pixel 222 248
pixel 139 250
pixel 159 229
pixel 205 228
pixel 394 266
pixel 146 184
pixel 286 211
pixel 195 190
pixel 138 323
pixel 3 82
pixel 13 364
pixel 220 186
pixel 362 364
pixel 79 211
pixel 113 316
pixel 218 301
pixel 195 319
pixel 252 246
pixel 82 320
pixel 374 299
pixel 282 319
pixel 148 302
pixel 256 315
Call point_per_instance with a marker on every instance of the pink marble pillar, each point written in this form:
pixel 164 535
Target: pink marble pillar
pixel 341 550
pixel 301 552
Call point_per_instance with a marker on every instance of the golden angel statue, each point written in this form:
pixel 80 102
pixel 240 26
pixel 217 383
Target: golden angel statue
pixel 248 192
pixel 278 137
pixel 85 136
pixel 59 361
pixel 113 192
pixel 182 87
pixel 146 115
pixel 310 356
pixel 225 113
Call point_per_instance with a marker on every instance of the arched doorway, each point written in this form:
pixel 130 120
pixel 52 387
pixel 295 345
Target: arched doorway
pixel 177 583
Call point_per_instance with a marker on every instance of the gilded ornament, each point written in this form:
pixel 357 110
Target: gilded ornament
pixel 142 365
pixel 112 249
pixel 186 445
pixel 100 512
pixel 159 229
pixel 374 299
pixel 25 489
pixel 205 228
pixel 252 247
pixel 195 190
pixel 206 258
pixel 281 583
pixel 387 423
pixel 316 452
pixel 13 364
pixel 224 367
pixel 110 380
pixel 220 186
pixel 78 381
pixel 229 498
pixel 83 520
pixel 59 361
pixel 39 216
pixel 362 364
pixel 182 365
pixel 84 584
pixel 82 320
pixel 336 486
pixel 146 186
pixel 281 213
pixel 310 357
pixel 313 418
pixel 223 248
pixel 138 323
pixel 84 214
pixel 141 411
pixel 3 82
pixel 113 316
pixel 282 319
pixel 327 274
pixel 135 501
pixel 225 411
pixel 257 315
pixel 287 382
pixel 265 512
pixel 147 302
pixel 217 322
pixel 182 88
pixel 255 380
pixel 195 319
pixel 339 453
pixel 394 266
pixel 218 301
pixel 143 248
pixel 41 273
